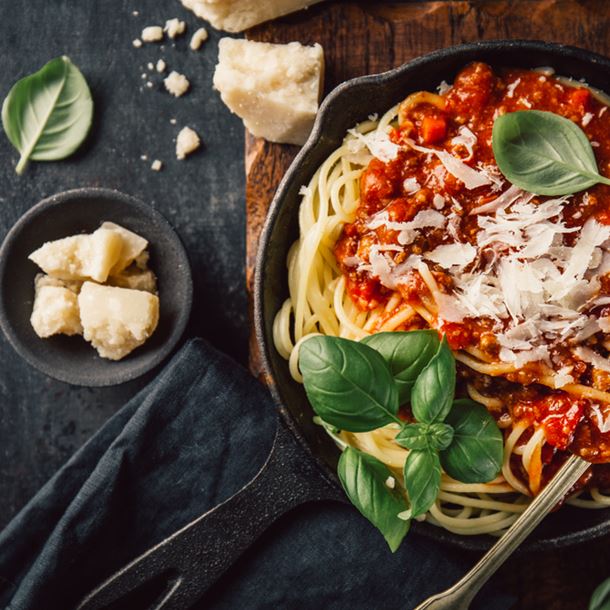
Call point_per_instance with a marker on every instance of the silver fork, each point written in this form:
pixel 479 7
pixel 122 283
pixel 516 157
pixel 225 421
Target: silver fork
pixel 462 593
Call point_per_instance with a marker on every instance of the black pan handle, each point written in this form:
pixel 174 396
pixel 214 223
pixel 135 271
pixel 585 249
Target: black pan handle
pixel 179 570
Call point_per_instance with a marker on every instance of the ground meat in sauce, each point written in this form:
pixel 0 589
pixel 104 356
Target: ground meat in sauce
pixel 476 98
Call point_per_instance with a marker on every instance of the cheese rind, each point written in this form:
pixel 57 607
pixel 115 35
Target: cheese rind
pixel 239 15
pixel 117 320
pixel 274 88
pixel 80 257
pixel 55 311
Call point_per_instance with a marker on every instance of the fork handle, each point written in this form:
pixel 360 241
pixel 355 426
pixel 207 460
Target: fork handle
pixel 182 567
pixel 462 593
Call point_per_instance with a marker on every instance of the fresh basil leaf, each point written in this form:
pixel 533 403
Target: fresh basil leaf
pixel 440 435
pixel 364 480
pixel 544 153
pixel 425 436
pixel 422 474
pixel 47 115
pixel 407 353
pixel 348 384
pixel 434 388
pixel 600 600
pixel 414 436
pixel 476 451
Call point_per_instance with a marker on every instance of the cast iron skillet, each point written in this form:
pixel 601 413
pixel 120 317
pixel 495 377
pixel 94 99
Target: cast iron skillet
pixel 301 466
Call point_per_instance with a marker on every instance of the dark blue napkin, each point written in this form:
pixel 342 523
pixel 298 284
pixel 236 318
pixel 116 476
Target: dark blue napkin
pixel 190 440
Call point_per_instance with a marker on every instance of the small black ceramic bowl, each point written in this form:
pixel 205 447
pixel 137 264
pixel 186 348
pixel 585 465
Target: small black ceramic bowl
pixel 72 359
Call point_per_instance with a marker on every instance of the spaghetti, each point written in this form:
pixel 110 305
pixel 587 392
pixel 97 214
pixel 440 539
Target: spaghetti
pixel 409 224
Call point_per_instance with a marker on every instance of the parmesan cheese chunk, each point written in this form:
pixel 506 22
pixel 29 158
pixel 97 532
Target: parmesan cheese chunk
pixel 174 27
pixel 177 84
pixel 199 37
pixel 132 246
pixel 136 279
pixel 55 310
pixel 81 256
pixel 152 33
pixel 187 142
pixel 117 320
pixel 274 88
pixel 239 15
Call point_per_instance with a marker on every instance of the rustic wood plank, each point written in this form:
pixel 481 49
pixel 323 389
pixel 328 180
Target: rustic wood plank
pixel 367 37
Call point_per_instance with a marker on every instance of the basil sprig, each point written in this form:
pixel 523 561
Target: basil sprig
pixel 544 153
pixel 600 600
pixel 359 386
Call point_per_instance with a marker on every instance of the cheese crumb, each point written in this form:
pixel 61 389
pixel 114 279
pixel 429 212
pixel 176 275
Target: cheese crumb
pixel 152 33
pixel 173 121
pixel 156 166
pixel 161 65
pixel 149 65
pixel 177 84
pixel 390 482
pixel 174 27
pixel 199 37
pixel 150 85
pixel 135 13
pixel 137 43
pixel 144 157
pixel 586 119
pixel 187 142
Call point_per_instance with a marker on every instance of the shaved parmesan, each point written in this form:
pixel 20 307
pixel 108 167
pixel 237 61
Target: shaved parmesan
pixel 586 119
pixel 590 357
pixel 438 201
pixel 602 423
pixel 465 139
pixel 377 142
pixel 471 178
pixel 411 185
pixel 452 255
pixel 510 90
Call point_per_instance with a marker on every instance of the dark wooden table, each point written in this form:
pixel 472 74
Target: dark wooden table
pixel 367 37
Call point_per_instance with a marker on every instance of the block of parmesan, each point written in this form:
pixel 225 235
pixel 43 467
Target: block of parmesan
pixel 117 320
pixel 239 15
pixel 273 88
pixel 80 257
pixel 55 309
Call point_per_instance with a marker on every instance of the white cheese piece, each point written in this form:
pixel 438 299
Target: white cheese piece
pixel 132 246
pixel 174 27
pixel 152 33
pixel 81 256
pixel 471 178
pixel 586 119
pixel 137 43
pixel 239 15
pixel 452 255
pixel 117 320
pixel 55 311
pixel 377 142
pixel 136 279
pixel 274 88
pixel 187 142
pixel 156 165
pixel 177 84
pixel 587 355
pixel 149 65
pixel 411 186
pixel 161 65
pixel 199 37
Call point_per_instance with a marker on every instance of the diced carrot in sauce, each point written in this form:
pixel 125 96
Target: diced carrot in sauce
pixel 579 98
pixel 433 129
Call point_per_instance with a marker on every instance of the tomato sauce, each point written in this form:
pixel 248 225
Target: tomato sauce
pixel 477 97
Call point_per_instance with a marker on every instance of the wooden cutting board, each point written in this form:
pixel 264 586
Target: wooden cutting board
pixel 367 37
